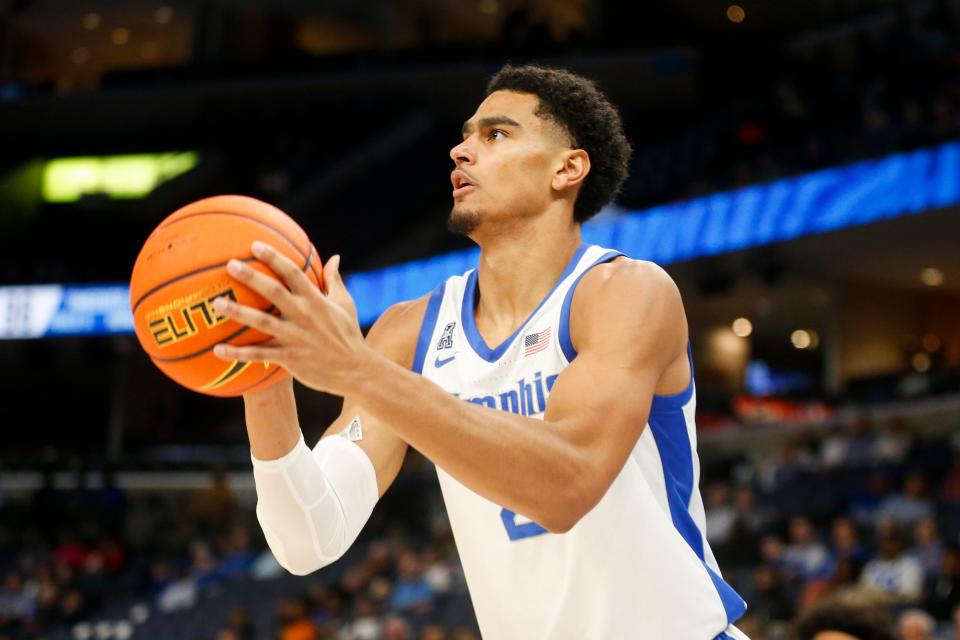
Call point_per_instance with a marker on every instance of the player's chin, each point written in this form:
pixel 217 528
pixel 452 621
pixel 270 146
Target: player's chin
pixel 463 220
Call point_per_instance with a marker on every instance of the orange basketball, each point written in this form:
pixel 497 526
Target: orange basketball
pixel 182 269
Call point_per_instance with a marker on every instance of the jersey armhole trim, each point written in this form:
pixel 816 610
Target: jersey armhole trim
pixel 426 329
pixel 676 400
pixel 566 345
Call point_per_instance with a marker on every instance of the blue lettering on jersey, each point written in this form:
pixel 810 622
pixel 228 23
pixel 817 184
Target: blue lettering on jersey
pixel 524 398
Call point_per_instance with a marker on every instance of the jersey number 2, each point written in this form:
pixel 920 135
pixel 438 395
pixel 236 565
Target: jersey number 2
pixel 519 530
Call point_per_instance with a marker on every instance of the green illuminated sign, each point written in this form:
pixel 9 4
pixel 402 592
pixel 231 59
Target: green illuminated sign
pixel 132 176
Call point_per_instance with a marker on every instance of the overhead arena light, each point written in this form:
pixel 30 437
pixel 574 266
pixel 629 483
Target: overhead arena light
pixel 119 177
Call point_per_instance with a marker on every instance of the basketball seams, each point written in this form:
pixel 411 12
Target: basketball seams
pixel 229 393
pixel 156 288
pixel 236 215
pixel 180 277
pixel 260 381
pixel 215 266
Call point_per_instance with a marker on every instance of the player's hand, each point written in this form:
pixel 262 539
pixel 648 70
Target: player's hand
pixel 317 337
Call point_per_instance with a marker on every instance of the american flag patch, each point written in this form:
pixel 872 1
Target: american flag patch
pixel 536 342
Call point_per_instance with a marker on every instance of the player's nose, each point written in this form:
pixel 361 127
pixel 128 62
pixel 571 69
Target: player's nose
pixel 462 153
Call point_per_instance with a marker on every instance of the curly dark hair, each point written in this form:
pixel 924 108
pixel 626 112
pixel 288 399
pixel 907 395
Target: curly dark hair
pixel 585 114
pixel 860 622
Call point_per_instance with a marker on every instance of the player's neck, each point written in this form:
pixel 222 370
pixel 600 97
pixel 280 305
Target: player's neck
pixel 517 270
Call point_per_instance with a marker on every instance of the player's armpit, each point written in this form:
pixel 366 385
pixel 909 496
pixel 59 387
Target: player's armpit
pixel 394 335
pixel 629 330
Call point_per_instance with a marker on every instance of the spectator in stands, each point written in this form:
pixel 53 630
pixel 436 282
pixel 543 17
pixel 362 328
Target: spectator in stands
pixel 396 628
pixel 805 557
pixel 867 499
pixel 943 596
pixel 927 547
pixel 294 623
pixel 835 621
pixel 893 577
pixel 833 448
pixel 863 443
pixel 916 624
pixel 893 444
pixel 236 557
pixel 437 572
pixel 845 541
pixel 411 593
pixel 210 509
pixel 749 523
pixel 239 624
pixel 365 624
pixel 769 601
pixel 720 514
pixel 433 632
pixel 17 602
pixel 909 505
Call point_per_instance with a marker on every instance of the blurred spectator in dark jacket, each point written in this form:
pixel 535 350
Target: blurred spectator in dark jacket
pixel 943 596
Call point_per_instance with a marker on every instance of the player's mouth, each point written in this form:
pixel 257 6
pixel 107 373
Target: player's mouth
pixel 462 183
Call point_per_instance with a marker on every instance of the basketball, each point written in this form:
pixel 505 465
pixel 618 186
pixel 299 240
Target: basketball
pixel 181 270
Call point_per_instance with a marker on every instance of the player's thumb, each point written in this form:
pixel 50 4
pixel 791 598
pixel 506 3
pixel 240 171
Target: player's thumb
pixel 331 277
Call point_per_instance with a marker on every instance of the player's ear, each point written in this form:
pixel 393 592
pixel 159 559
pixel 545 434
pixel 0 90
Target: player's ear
pixel 574 167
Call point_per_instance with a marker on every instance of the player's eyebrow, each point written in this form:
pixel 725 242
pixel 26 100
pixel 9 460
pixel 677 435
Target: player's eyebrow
pixel 489 122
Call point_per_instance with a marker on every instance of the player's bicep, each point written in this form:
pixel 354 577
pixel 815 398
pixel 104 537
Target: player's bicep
pixel 602 411
pixel 393 335
pixel 627 329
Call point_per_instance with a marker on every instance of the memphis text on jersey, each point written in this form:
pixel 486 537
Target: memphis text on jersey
pixel 525 398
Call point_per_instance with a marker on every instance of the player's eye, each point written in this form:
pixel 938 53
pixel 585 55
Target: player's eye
pixel 496 134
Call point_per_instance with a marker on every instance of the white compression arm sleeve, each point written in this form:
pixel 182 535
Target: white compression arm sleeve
pixel 312 504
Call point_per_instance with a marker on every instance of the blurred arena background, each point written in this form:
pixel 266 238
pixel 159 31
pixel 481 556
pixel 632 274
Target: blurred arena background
pixel 796 170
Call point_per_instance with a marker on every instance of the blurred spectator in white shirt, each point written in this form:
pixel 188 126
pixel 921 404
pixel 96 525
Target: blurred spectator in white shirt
pixel 893 576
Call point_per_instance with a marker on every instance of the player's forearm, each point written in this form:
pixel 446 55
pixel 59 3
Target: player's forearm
pixel 311 504
pixel 518 462
pixel 272 424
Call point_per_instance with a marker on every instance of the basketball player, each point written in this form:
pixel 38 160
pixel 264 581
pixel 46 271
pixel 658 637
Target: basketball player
pixel 555 394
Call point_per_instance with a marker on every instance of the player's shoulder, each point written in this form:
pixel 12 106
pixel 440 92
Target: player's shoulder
pixel 626 282
pixel 396 330
pixel 630 302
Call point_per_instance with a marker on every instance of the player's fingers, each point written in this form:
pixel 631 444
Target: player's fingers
pixel 336 290
pixel 284 267
pixel 260 320
pixel 270 288
pixel 331 276
pixel 253 353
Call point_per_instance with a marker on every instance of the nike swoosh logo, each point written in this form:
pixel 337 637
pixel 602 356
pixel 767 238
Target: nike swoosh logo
pixel 439 363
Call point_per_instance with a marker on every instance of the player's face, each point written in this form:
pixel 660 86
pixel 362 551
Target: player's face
pixel 505 164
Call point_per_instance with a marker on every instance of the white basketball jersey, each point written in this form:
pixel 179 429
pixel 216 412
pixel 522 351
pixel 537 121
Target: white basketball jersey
pixel 638 564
